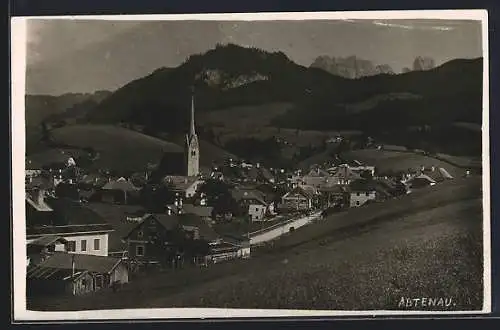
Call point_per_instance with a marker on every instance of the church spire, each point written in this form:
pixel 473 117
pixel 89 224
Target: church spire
pixel 192 127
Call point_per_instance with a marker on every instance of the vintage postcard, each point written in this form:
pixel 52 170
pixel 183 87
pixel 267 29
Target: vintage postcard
pixel 250 165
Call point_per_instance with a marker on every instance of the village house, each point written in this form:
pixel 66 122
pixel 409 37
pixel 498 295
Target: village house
pixel 300 198
pixel 187 186
pixel 253 202
pixel 334 195
pixel 361 192
pixel 316 177
pixel 119 191
pixel 203 211
pixel 75 274
pixel 42 248
pixel 122 218
pixel 154 239
pixel 343 175
pixel 164 238
pixel 420 181
pixel 84 230
pixel 355 166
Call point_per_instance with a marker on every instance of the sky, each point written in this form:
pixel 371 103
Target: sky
pixel 88 55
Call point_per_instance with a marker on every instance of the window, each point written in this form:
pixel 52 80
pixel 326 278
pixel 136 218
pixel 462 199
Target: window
pixel 357 194
pixel 193 152
pixel 140 233
pixel 83 245
pixel 139 250
pixel 357 203
pixel 71 246
pixel 97 244
pixel 367 194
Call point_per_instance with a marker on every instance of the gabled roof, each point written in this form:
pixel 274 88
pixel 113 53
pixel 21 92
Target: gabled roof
pixel 92 263
pixel 116 216
pixel 169 222
pixel 39 182
pixel 70 217
pixel 120 184
pixel 248 194
pixel 344 172
pixel 200 210
pixel 48 273
pixel 334 189
pixel 299 190
pixel 317 172
pixel 445 173
pixel 362 186
pixel 206 232
pixel 47 240
pixel 179 183
pixel 425 177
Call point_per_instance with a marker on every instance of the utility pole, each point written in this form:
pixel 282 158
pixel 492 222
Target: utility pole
pixel 73 273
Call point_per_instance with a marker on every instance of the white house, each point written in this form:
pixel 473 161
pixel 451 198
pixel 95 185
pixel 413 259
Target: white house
pixel 361 192
pixel 257 212
pixel 84 231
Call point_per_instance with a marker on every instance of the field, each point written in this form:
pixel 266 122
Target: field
pixel 425 245
pixel 243 117
pixel 256 122
pixel 385 160
pixel 118 148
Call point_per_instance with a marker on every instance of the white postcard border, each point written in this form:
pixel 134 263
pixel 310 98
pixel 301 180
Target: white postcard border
pixel 18 67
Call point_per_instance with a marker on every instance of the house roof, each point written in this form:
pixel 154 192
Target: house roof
pixel 92 263
pixel 49 273
pixel 94 179
pixel 445 173
pixel 205 231
pixel 333 189
pixel 266 174
pixel 47 240
pixel 169 222
pixel 67 230
pixel 200 210
pixel 180 183
pixel 116 216
pixel 120 184
pixel 424 177
pixel 71 217
pixel 39 182
pixel 248 194
pixel 362 185
pixel 317 172
pixel 345 172
pixel 299 190
pixel 310 190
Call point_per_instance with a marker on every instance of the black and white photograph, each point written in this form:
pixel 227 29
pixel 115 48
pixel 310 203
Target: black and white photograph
pixel 250 165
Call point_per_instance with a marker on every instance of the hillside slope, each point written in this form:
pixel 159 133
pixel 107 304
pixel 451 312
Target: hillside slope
pixel 425 245
pixel 118 148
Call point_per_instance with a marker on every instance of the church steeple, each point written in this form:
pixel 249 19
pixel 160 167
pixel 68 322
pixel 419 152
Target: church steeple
pixel 192 146
pixel 192 127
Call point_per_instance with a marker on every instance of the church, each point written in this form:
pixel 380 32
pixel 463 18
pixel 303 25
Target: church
pixel 192 147
pixel 181 170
